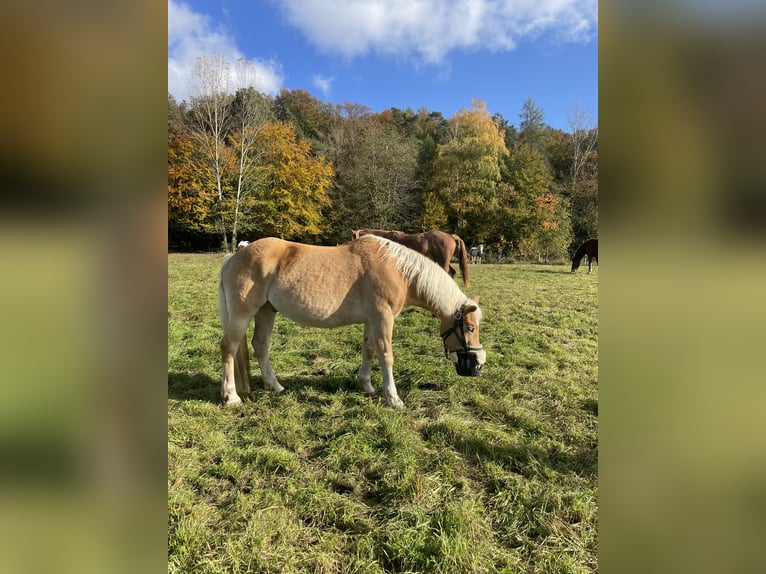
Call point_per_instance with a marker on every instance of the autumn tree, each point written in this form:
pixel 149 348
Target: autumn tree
pixel 433 213
pixel 190 197
pixel 294 186
pixel 552 232
pixel 466 172
pixel 534 218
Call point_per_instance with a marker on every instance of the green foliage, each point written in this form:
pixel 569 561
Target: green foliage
pixel 536 219
pixel 531 124
pixel 310 117
pixel 585 210
pixel 376 167
pixel 558 150
pixel 466 172
pixel 489 474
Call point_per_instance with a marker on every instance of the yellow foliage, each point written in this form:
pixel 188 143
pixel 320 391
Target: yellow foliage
pixel 296 184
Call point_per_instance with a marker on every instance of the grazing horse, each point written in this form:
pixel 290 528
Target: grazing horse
pixel 589 248
pixel 365 281
pixel 436 245
pixel 477 253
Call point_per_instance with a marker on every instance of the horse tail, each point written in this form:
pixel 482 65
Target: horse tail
pixel 242 358
pixel 463 259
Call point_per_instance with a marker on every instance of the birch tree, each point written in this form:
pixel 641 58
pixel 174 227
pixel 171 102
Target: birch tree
pixel 583 174
pixel 211 99
pixel 249 115
pixel 584 135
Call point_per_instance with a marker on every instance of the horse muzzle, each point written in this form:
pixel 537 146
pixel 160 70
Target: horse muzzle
pixel 468 363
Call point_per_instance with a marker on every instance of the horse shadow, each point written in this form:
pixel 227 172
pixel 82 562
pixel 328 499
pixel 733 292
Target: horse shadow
pixel 531 461
pixel 200 387
pixel 193 387
pixel 554 271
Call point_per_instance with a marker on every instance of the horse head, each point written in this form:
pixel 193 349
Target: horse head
pixel 460 334
pixel 575 263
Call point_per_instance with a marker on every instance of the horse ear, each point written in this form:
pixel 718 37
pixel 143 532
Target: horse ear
pixel 470 308
pixel 355 234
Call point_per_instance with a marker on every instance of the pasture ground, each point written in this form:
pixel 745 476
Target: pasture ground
pixel 489 474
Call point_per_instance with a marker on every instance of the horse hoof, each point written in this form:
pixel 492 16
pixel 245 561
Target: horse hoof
pixel 233 401
pixel 396 404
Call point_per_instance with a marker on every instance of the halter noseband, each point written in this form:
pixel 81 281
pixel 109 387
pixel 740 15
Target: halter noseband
pixel 466 358
pixel 457 329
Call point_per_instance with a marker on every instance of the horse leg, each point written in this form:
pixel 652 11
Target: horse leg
pixel 233 337
pixel 590 263
pixel 381 334
pixel 365 371
pixel 449 269
pixel 264 324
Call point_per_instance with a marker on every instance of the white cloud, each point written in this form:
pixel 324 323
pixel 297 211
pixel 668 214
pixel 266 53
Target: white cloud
pixel 190 35
pixel 322 83
pixel 427 30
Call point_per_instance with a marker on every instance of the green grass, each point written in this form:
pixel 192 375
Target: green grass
pixel 489 474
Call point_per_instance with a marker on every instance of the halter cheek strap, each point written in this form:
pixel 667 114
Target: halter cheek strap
pixel 457 329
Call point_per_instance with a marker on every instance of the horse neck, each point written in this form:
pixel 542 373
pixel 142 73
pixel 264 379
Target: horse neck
pixel 437 294
pixel 429 286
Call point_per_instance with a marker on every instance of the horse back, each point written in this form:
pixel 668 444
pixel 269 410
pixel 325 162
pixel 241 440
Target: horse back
pixel 316 285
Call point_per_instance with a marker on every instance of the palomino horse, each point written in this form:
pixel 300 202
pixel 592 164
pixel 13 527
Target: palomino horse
pixel 436 245
pixel 365 281
pixel 589 248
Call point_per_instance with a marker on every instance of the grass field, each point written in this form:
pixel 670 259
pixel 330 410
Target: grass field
pixel 489 474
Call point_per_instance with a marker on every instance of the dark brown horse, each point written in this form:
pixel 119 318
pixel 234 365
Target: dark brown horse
pixel 589 248
pixel 436 245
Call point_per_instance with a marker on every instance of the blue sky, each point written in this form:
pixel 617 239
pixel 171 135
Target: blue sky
pixel 436 54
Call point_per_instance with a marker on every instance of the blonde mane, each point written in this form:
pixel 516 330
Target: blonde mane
pixel 431 282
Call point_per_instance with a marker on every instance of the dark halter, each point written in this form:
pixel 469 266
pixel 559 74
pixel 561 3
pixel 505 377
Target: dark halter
pixel 457 328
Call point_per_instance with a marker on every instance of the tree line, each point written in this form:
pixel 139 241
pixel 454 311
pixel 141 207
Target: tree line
pixel 243 165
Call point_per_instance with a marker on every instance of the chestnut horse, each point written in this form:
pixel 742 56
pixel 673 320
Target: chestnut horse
pixel 365 281
pixel 589 248
pixel 436 245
